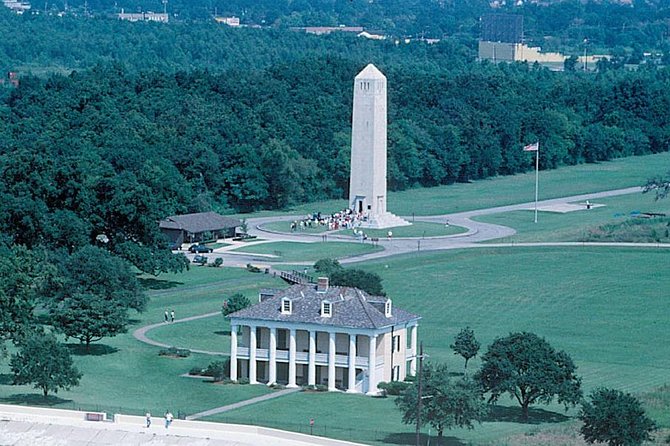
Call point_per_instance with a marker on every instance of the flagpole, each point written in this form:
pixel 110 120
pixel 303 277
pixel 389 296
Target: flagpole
pixel 537 176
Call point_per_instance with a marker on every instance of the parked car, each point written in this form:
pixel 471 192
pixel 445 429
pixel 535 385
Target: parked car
pixel 200 259
pixel 199 249
pixel 174 246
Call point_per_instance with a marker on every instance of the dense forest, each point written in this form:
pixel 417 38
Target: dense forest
pixel 551 24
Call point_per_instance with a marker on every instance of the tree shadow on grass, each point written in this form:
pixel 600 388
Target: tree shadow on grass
pixel 515 415
pixel 406 438
pixel 6 379
pixel 33 399
pixel 222 332
pixel 151 283
pixel 94 349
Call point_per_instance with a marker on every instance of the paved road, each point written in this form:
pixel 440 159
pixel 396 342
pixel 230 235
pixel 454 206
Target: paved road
pixel 476 232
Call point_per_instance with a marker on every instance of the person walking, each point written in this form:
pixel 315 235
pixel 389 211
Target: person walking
pixel 166 315
pixel 168 419
pixel 172 315
pixel 148 417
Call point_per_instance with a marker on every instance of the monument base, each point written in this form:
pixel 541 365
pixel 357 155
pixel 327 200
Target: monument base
pixel 383 221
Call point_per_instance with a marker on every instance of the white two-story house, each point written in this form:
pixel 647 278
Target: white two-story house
pixel 317 334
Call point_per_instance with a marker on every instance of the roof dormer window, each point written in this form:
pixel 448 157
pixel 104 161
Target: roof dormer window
pixel 326 308
pixel 286 306
pixel 387 308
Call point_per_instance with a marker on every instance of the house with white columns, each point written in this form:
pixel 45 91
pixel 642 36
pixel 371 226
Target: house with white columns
pixel 339 337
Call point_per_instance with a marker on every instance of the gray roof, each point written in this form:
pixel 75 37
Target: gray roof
pixel 201 222
pixel 351 308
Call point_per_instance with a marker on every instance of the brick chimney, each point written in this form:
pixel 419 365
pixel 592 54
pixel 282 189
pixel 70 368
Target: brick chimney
pixel 322 285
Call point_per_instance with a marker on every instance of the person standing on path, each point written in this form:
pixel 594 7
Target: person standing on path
pixel 148 416
pixel 172 315
pixel 166 315
pixel 168 419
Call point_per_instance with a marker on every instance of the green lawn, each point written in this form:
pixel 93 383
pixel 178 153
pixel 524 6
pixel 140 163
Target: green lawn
pixel 309 252
pixel 572 226
pixel 209 334
pixel 416 229
pixel 604 306
pixel 125 375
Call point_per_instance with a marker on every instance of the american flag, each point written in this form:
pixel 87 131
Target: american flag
pixel 532 147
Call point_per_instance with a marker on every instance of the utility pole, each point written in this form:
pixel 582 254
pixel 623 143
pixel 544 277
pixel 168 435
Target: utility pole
pixel 418 405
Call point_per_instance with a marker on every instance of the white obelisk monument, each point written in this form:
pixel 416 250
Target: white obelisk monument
pixel 367 184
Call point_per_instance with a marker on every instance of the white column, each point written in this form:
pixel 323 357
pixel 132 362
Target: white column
pixel 352 363
pixel 252 355
pixel 311 372
pixel 233 352
pixel 412 364
pixel 331 361
pixel 291 359
pixel 272 378
pixel 372 365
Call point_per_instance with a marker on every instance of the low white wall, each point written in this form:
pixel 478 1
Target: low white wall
pixel 199 429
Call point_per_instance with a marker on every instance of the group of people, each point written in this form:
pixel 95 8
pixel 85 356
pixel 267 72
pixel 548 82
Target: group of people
pixel 345 219
pixel 169 315
pixel 168 419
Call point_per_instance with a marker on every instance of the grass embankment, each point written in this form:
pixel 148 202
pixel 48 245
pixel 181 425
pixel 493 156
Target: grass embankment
pixel 309 252
pixel 616 221
pixel 124 375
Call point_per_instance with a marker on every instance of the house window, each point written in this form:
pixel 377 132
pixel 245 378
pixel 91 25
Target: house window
pixel 387 307
pixel 326 309
pixel 395 373
pixel 286 306
pixel 396 343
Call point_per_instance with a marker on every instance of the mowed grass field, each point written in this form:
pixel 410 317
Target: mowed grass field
pixel 573 226
pixel 309 252
pixel 606 307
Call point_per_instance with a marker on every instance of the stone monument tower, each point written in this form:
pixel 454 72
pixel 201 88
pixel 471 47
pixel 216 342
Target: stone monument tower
pixel 367 184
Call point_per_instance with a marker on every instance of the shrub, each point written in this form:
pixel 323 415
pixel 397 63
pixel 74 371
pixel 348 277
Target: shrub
pixel 243 381
pixel 253 269
pixel 321 388
pixel 217 262
pixel 196 371
pixel 393 387
pixel 218 370
pixel 175 352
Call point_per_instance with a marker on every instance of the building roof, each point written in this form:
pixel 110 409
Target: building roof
pixel 351 308
pixel 200 222
pixel 370 72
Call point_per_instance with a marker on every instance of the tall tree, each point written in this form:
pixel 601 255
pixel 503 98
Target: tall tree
pixel 529 369
pixel 445 404
pixel 94 296
pixel 466 345
pixel 615 418
pixel 44 362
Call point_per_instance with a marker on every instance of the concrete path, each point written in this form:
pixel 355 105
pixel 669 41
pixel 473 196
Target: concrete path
pixel 248 402
pixel 141 334
pixel 477 232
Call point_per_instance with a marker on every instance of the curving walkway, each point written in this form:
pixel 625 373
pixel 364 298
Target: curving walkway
pixel 141 334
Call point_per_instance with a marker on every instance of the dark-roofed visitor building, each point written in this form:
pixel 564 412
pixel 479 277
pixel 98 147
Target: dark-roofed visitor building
pixel 198 227
pixel 317 334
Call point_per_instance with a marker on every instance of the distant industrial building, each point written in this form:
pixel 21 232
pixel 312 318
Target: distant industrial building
pixel 502 35
pixel 320 30
pixel 160 17
pixel 17 6
pixel 230 21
